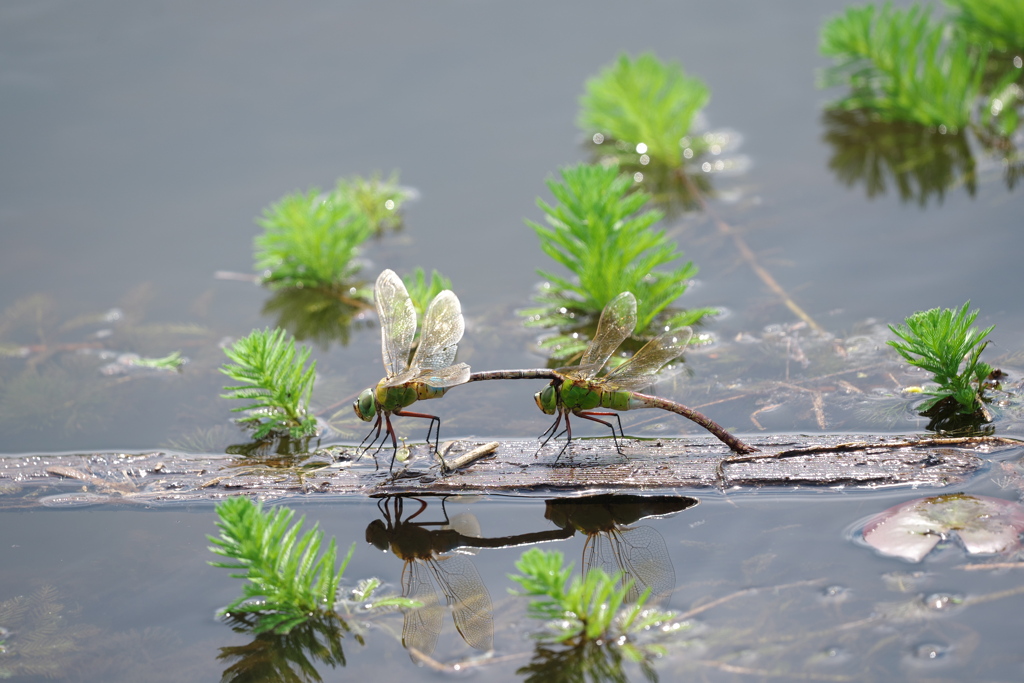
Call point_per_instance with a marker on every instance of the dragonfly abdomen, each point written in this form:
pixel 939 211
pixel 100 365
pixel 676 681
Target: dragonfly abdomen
pixel 425 391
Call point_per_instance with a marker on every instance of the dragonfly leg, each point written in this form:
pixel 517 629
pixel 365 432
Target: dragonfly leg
pixel 588 415
pixel 551 429
pixel 568 437
pixel 394 441
pixel 375 430
pixel 433 419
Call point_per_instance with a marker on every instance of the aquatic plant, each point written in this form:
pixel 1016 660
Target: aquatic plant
pixel 998 24
pixel 586 608
pixel 287 584
pixel 311 240
pixel 274 379
pixel 599 231
pixel 943 342
pixel 899 65
pixel 380 201
pixel 172 361
pixel 46 644
pixel 646 107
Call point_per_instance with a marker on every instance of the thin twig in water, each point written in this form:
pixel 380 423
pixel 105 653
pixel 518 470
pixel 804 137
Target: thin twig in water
pixel 749 256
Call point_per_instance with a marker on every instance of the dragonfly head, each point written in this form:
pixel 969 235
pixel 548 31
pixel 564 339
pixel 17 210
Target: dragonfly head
pixel 547 399
pixel 377 534
pixel 366 405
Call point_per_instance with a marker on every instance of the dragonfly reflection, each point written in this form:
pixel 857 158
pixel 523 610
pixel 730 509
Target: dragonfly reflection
pixel 426 554
pixel 427 550
pixel 614 546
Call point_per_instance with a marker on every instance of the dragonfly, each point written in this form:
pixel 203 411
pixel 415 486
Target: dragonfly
pixel 429 374
pixel 578 390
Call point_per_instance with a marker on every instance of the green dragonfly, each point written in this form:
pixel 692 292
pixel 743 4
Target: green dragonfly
pixel 578 390
pixel 430 373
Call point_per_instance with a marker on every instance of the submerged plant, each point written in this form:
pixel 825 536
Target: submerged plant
pixel 900 66
pixel 600 232
pixel 380 201
pixel 645 105
pixel 943 342
pixel 276 382
pixel 311 240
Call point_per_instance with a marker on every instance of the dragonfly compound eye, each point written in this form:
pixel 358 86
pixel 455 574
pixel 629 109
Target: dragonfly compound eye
pixel 365 406
pixel 546 400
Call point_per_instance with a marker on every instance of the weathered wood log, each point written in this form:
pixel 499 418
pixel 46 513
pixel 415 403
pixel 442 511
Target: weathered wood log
pixel 588 466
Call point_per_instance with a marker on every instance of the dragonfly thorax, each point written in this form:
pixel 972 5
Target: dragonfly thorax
pixel 394 398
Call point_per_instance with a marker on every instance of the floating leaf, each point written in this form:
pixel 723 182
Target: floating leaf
pixel 910 530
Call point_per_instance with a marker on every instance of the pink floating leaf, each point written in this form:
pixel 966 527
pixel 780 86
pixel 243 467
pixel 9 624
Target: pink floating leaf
pixel 910 530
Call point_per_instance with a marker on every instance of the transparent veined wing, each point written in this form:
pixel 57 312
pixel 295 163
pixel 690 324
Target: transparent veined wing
pixel 397 321
pixel 471 603
pixel 636 373
pixel 421 625
pixel 640 553
pixel 618 320
pixel 442 330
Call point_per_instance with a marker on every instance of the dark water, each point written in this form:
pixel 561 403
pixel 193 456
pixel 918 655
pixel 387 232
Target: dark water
pixel 140 141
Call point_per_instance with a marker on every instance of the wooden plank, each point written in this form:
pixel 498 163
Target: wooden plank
pixel 516 467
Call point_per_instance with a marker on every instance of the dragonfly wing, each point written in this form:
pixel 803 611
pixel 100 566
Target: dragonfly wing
pixel 421 625
pixel 397 321
pixel 445 377
pixel 618 320
pixel 636 373
pixel 471 603
pixel 442 330
pixel 645 558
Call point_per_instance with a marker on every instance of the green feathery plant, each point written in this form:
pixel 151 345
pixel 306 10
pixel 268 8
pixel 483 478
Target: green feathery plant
pixel 287 584
pixel 645 106
pixel 599 231
pixel 379 200
pixel 172 361
pixel 311 240
pixel 943 342
pixel 899 65
pixel 998 24
pixel 274 380
pixel 586 608
pixel 423 291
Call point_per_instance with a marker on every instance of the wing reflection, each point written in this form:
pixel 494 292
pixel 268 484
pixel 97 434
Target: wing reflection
pixel 428 561
pixel 639 552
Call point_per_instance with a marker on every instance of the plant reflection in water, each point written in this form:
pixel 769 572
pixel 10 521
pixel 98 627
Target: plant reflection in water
pixel 294 656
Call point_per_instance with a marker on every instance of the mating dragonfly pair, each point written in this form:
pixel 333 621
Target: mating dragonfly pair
pixel 576 390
